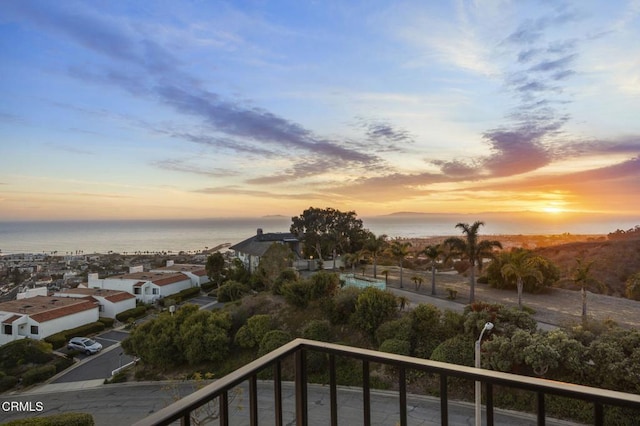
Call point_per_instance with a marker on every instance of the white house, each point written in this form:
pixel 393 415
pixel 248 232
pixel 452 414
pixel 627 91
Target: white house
pixel 111 302
pixel 41 316
pixel 197 273
pixel 145 286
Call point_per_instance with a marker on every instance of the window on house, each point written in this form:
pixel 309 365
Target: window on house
pixel 34 329
pixel 101 308
pixel 156 291
pixel 136 290
pixel 7 329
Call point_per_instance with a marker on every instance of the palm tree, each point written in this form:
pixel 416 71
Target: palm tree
pixel 582 276
pixel 433 253
pixel 522 264
pixel 385 272
pixel 353 259
pixel 417 281
pixel 473 250
pixel 375 246
pixel 399 250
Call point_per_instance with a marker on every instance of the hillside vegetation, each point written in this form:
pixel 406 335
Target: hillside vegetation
pixel 614 261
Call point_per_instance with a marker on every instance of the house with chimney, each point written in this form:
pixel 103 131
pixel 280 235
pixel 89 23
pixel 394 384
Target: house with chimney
pixel 252 249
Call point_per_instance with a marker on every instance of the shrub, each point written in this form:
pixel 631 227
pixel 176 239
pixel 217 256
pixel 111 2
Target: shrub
pixel 323 284
pixel 340 308
pixel 57 340
pixel 374 307
pixel 395 329
pixel 65 419
pixel 7 382
pixel 23 351
pixel 457 350
pixel 62 363
pixel 632 287
pixel 137 312
pixel 188 293
pixel 38 374
pixel 273 340
pixel 396 346
pixel 296 293
pixel 232 290
pixel 108 322
pixel 319 330
pixel 252 333
pixel 285 277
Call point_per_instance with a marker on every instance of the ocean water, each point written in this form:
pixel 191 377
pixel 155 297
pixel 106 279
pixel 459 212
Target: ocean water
pixel 129 236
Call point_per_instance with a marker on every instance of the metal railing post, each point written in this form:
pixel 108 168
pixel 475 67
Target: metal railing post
pixel 301 388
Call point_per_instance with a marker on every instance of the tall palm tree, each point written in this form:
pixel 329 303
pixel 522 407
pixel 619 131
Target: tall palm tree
pixel 522 264
pixel 399 250
pixel 434 253
pixel 473 250
pixel 582 276
pixel 375 246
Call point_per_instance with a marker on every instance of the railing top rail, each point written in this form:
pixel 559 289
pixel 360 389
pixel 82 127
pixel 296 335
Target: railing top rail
pixel 191 402
pixel 483 375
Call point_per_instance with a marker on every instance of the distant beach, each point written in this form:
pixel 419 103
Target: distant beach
pixel 130 236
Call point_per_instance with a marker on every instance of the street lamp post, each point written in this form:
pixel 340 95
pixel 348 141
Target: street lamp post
pixel 488 326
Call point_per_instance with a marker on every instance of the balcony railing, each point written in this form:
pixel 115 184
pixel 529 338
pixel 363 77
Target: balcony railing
pixel 183 409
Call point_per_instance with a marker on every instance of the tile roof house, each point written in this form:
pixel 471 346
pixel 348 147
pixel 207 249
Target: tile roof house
pixel 197 273
pixel 110 302
pixel 41 316
pixel 252 249
pixel 147 287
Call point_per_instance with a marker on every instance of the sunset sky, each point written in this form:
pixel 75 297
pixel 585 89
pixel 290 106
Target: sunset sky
pixel 195 109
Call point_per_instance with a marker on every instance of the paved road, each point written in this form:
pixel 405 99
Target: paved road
pixel 126 403
pixel 101 365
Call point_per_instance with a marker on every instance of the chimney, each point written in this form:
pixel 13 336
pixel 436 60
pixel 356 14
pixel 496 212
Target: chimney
pixel 259 234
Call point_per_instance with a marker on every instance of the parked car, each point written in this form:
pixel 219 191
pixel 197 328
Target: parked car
pixel 84 344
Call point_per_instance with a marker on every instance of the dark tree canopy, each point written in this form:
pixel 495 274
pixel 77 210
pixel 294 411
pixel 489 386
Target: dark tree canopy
pixel 328 231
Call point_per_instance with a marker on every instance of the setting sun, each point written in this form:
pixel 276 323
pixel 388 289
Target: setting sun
pixel 553 209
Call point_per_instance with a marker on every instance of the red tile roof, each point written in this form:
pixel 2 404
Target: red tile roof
pixel 171 279
pixel 119 297
pixel 10 320
pixel 63 311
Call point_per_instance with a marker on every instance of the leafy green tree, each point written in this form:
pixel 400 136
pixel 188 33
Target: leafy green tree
pixel 433 253
pixel 276 259
pixel 323 284
pixel 522 264
pixel 238 272
pixel 341 307
pixel 399 250
pixel 374 307
pixel 232 290
pixel 319 330
pixel 273 340
pixel 251 334
pixel 297 293
pixel 417 281
pixel 375 246
pixel 204 336
pixel 215 268
pixel 328 231
pixel 632 287
pixel 285 277
pixel 427 330
pixel 473 250
pixel 396 346
pixel 456 350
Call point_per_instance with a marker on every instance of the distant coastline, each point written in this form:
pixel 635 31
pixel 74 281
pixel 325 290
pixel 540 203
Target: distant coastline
pixel 173 236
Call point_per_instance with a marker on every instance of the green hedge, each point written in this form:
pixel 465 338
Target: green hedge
pixel 65 419
pixel 58 340
pixel 7 382
pixel 108 322
pixel 62 363
pixel 38 374
pixel 136 312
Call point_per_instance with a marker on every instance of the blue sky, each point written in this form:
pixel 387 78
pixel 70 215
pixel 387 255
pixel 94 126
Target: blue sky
pixel 118 109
